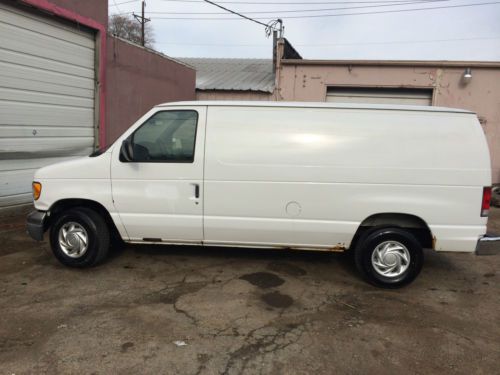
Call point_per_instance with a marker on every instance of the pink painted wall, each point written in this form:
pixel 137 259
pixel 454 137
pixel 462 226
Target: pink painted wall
pixel 303 82
pixel 94 9
pixel 232 95
pixel 137 80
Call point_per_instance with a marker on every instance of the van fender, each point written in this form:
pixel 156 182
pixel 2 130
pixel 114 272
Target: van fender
pixel 413 223
pixel 112 219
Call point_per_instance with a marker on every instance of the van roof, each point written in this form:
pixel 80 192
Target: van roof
pixel 233 103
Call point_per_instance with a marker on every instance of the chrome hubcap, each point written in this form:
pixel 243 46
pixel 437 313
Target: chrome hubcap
pixel 391 259
pixel 73 239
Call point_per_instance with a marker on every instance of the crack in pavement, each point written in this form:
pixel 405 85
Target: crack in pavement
pixel 263 345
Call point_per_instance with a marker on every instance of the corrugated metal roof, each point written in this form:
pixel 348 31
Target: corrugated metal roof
pixel 233 74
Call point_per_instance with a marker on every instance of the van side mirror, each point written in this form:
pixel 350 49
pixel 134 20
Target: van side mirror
pixel 127 151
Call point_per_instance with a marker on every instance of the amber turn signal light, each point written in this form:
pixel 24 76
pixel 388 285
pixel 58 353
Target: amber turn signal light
pixel 37 190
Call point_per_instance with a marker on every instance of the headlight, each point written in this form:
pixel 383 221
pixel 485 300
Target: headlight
pixel 37 190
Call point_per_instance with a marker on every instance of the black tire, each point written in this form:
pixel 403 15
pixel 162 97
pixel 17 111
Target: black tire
pixel 98 237
pixel 369 242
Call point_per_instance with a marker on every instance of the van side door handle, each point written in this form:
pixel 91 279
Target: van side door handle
pixel 196 190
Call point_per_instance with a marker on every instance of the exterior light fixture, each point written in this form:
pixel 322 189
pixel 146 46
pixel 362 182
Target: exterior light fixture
pixel 466 78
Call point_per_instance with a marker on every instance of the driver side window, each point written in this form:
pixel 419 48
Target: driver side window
pixel 167 136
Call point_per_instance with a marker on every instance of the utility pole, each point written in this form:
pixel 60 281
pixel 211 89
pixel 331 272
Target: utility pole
pixel 282 28
pixel 142 20
pixel 277 35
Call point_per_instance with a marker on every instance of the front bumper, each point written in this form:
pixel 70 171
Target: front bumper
pixel 36 224
pixel 488 245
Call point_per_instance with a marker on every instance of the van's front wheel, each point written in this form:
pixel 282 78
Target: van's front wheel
pixel 79 237
pixel 389 257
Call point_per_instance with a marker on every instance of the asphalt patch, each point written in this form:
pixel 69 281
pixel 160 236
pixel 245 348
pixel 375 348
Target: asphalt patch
pixel 263 280
pixel 126 346
pixel 278 300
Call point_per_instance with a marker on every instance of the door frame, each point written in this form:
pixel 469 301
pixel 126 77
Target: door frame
pixel 188 181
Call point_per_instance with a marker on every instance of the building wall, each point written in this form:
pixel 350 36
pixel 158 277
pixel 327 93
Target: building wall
pixel 304 82
pixel 232 95
pixel 138 79
pixel 94 9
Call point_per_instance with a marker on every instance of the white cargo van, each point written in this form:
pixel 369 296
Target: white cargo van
pixel 381 181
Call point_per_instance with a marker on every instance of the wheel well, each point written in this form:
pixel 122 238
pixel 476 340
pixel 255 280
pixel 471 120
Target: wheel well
pixel 412 223
pixel 66 204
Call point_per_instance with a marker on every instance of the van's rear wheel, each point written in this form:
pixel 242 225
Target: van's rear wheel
pixel 79 237
pixel 389 257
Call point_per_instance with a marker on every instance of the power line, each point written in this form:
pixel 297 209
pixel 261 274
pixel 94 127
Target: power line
pixel 236 13
pixel 124 2
pixel 334 44
pixel 337 44
pixel 116 5
pixel 307 10
pixel 296 3
pixel 399 42
pixel 331 15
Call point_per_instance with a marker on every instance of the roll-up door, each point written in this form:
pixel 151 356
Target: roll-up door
pixel 379 95
pixel 47 89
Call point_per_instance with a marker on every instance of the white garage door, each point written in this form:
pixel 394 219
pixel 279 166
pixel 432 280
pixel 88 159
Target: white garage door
pixel 47 85
pixel 379 95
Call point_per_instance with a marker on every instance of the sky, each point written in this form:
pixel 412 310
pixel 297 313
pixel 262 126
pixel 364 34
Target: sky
pixel 456 32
